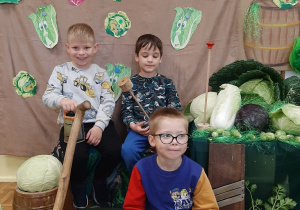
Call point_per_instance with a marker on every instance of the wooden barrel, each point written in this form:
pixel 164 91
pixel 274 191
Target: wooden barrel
pixel 270 39
pixel 39 200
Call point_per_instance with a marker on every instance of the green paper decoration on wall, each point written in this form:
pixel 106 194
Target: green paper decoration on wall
pixel 115 73
pixel 10 1
pixel 284 4
pixel 117 24
pixel 184 25
pixel 25 84
pixel 44 21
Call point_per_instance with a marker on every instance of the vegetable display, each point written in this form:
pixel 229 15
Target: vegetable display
pixel 254 102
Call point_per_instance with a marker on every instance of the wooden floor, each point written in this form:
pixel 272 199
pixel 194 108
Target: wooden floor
pixel 7 194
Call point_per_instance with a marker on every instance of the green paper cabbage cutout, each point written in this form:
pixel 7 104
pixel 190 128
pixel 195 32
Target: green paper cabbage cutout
pixel 115 73
pixel 10 1
pixel 25 84
pixel 184 25
pixel 44 21
pixel 117 24
pixel 295 56
pixel 284 4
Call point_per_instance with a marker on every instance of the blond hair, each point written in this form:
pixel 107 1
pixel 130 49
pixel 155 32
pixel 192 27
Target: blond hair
pixel 80 31
pixel 165 112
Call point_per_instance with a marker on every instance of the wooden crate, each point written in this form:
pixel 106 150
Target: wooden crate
pixel 226 172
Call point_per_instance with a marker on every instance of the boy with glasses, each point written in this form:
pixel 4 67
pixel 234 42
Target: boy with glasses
pixel 169 179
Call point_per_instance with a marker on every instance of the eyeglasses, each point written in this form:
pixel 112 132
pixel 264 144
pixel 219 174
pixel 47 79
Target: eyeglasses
pixel 166 138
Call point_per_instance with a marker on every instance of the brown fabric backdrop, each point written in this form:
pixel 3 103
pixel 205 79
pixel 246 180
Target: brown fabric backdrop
pixel 29 128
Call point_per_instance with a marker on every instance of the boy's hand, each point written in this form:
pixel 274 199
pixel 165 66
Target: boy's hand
pixel 138 128
pixel 68 104
pixel 94 136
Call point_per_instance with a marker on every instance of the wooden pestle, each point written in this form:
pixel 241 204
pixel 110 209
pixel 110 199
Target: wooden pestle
pixel 125 84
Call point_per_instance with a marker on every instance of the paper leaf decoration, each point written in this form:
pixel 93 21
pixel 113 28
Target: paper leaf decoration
pixel 115 73
pixel 284 4
pixel 10 1
pixel 75 2
pixel 184 25
pixel 44 21
pixel 117 24
pixel 25 84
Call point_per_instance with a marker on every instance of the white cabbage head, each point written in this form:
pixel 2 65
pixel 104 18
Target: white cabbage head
pixel 198 104
pixel 39 173
pixel 287 119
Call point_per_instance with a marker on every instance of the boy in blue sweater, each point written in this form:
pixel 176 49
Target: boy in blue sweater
pixel 169 179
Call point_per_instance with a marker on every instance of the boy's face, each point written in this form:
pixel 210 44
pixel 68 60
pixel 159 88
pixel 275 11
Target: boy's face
pixel 172 151
pixel 148 60
pixel 81 52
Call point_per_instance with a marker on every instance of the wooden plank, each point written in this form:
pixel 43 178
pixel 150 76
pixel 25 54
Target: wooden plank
pixel 229 194
pixel 232 186
pixel 226 163
pixel 226 167
pixel 232 200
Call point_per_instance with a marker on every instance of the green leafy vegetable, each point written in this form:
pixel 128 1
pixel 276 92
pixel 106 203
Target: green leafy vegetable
pixel 39 173
pixel 227 105
pixel 278 200
pixel 263 88
pixel 197 107
pixel 286 118
pixel 241 71
pixel 293 90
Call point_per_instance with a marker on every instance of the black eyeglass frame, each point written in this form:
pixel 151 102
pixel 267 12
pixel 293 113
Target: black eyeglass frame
pixel 173 137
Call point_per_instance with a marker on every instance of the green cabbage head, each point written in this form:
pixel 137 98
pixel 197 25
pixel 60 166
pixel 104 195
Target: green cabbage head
pixel 287 119
pixel 198 104
pixel 227 105
pixel 39 173
pixel 262 87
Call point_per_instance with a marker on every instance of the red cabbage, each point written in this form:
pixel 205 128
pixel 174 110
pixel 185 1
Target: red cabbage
pixel 251 117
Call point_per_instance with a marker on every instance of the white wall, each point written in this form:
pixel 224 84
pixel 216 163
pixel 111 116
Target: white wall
pixel 9 166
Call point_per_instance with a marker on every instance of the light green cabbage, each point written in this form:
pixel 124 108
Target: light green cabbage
pixel 39 173
pixel 262 87
pixel 197 107
pixel 287 119
pixel 227 105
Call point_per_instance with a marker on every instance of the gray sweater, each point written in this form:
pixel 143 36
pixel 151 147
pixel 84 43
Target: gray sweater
pixel 93 84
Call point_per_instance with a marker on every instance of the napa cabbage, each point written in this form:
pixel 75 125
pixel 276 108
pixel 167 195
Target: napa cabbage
pixel 227 105
pixel 39 173
pixel 286 118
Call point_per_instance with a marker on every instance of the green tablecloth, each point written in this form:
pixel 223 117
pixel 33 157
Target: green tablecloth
pixel 267 163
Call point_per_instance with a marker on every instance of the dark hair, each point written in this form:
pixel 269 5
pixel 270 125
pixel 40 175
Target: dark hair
pixel 148 39
pixel 165 112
